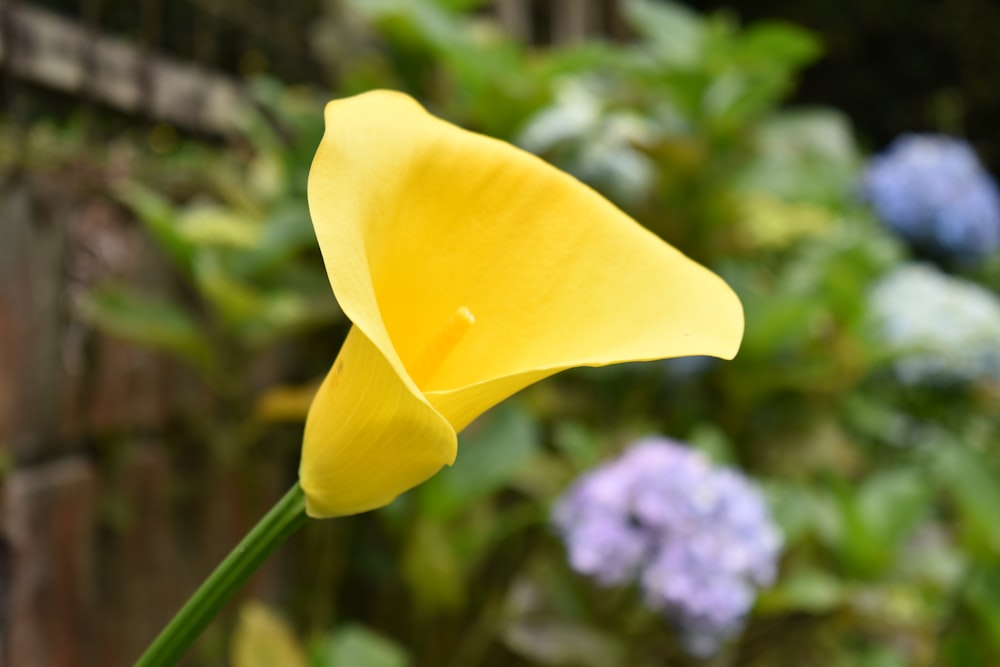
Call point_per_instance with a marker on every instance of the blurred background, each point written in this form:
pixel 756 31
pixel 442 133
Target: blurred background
pixel 165 317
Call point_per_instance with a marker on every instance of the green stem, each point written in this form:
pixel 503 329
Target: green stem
pixel 285 518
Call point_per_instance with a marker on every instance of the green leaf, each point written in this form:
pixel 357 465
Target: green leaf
pixel 431 567
pixel 807 590
pixel 160 218
pixel 879 656
pixel 357 646
pixel 893 503
pixel 288 311
pixel 801 511
pixel 578 444
pixel 461 5
pixel 982 595
pixel 491 452
pixel 214 225
pixel 876 519
pixel 236 301
pixel 974 486
pixel 712 441
pixel 557 642
pixel 420 20
pixel 675 32
pixel 287 231
pixel 780 44
pixel 804 155
pixel 148 321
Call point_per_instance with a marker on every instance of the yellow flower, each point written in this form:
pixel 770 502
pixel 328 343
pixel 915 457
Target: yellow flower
pixel 471 269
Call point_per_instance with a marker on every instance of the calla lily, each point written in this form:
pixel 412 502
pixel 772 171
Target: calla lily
pixel 471 269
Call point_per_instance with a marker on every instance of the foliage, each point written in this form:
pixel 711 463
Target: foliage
pixel 885 490
pixel 263 639
pixel 248 278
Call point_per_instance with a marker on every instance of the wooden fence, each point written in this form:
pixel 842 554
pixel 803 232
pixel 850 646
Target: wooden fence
pixel 109 517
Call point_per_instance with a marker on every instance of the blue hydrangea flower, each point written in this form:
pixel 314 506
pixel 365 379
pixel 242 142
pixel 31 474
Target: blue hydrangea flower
pixel 938 328
pixel 696 538
pixel 933 191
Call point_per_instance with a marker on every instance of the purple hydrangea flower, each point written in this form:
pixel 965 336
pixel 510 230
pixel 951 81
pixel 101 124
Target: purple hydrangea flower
pixel 697 539
pixel 932 190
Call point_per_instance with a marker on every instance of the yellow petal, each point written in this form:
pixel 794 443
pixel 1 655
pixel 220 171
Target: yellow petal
pixel 418 219
pixel 368 437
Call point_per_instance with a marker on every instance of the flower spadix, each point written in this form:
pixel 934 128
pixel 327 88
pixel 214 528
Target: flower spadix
pixel 471 269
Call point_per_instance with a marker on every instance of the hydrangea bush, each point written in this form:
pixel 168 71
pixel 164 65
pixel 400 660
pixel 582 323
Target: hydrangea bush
pixel 938 328
pixel 932 190
pixel 698 539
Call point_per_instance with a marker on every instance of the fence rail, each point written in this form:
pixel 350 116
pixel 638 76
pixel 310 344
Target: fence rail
pixel 44 48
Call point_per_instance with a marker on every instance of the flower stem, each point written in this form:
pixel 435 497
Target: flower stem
pixel 287 515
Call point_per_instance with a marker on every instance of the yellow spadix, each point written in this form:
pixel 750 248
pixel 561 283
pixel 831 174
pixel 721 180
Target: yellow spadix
pixel 471 269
